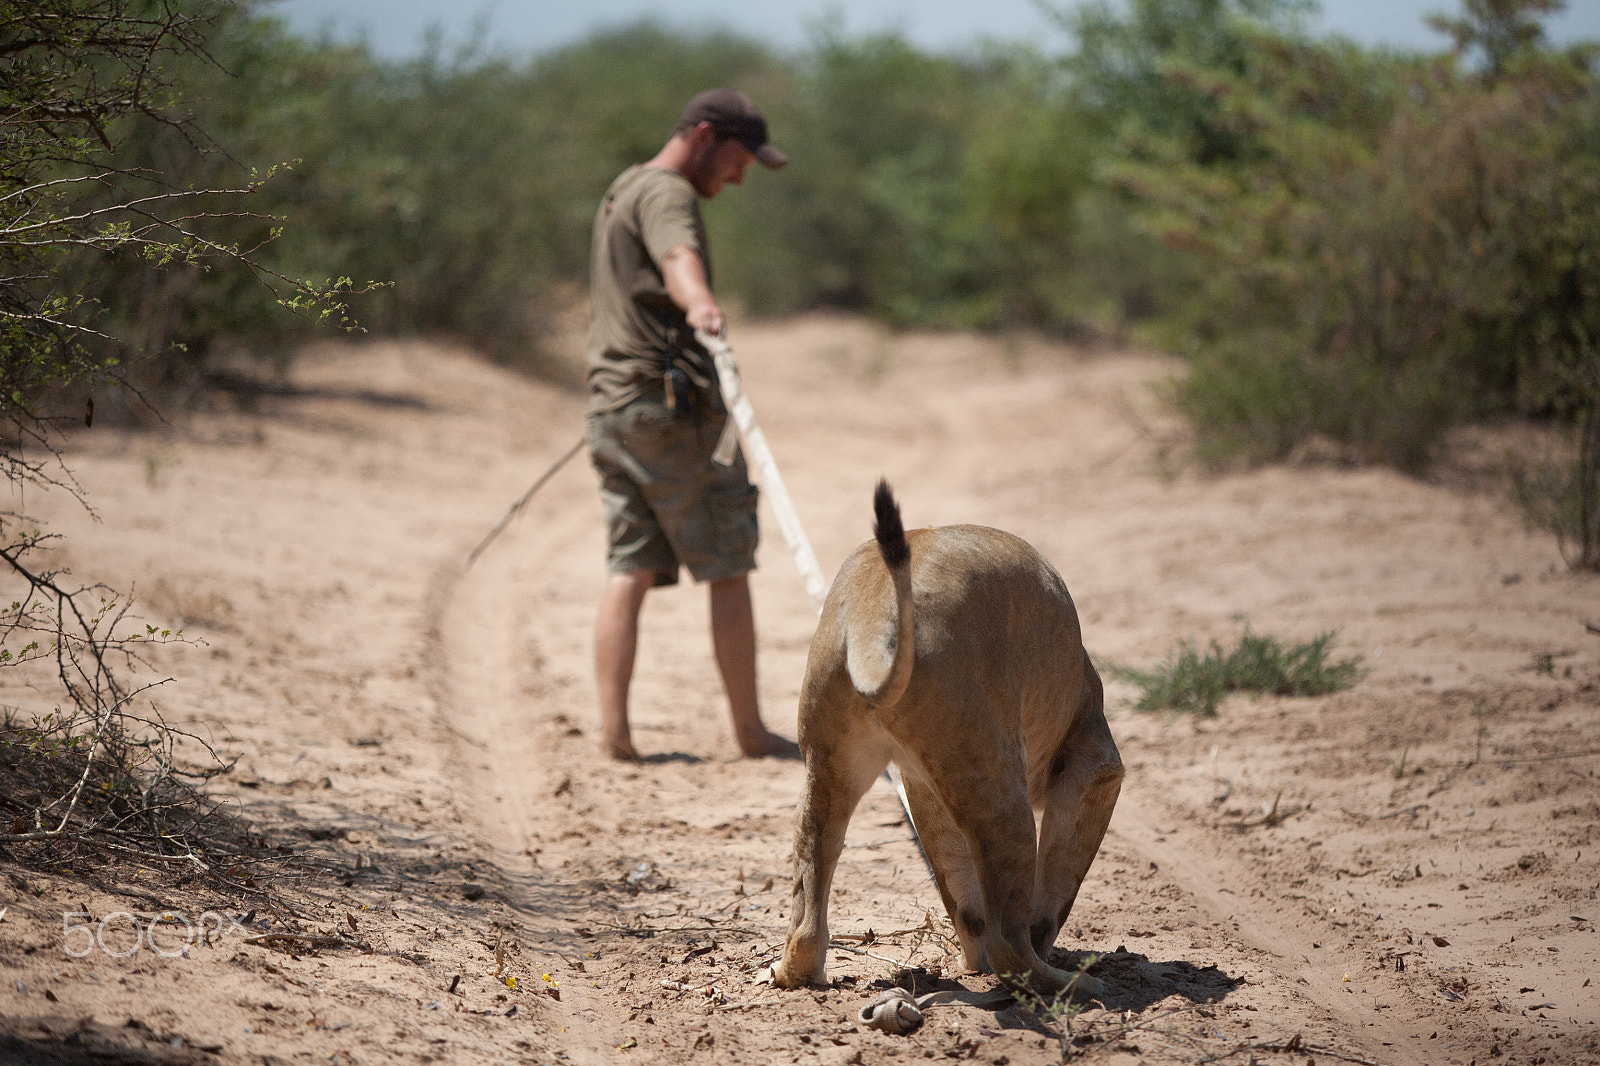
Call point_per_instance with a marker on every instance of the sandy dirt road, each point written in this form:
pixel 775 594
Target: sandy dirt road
pixel 1405 872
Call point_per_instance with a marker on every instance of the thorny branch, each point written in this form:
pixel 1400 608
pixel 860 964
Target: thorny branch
pixel 95 773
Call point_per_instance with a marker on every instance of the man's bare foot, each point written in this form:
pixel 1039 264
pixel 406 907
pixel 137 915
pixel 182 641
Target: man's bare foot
pixel 768 745
pixel 620 749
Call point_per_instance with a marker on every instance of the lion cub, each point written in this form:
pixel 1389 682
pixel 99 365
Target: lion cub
pixel 955 652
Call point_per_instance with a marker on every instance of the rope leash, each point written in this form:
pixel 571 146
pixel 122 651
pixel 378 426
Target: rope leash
pixel 523 501
pixel 755 444
pixel 794 534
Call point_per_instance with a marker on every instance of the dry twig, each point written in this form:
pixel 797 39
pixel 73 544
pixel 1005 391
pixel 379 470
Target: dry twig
pixel 1272 817
pixel 98 775
pixel 301 938
pixel 1292 1046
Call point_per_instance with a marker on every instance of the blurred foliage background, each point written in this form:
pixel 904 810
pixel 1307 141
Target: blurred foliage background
pixel 1352 246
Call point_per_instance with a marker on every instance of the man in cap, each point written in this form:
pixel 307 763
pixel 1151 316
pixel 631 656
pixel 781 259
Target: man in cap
pixel 656 416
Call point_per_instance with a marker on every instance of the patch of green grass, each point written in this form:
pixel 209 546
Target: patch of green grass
pixel 1193 682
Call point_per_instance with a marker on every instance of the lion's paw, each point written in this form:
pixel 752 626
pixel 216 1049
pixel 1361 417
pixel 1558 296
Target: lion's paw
pixel 777 977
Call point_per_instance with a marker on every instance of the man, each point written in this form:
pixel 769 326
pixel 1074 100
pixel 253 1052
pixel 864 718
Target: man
pixel 656 415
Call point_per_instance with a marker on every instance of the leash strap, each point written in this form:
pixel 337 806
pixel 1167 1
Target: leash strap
pixel 755 444
pixel 523 501
pixel 805 560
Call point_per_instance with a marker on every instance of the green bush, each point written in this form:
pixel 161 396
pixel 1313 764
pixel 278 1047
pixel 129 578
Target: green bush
pixel 1386 246
pixel 1194 682
pixel 949 200
pixel 467 182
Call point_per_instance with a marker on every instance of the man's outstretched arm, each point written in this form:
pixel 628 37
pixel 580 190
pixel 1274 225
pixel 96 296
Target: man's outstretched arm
pixel 685 275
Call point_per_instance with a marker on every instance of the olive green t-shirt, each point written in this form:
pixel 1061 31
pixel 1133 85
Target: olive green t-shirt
pixel 634 327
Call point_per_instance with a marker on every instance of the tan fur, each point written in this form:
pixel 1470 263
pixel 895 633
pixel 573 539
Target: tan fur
pixel 967 669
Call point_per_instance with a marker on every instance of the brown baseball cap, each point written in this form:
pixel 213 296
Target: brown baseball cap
pixel 733 114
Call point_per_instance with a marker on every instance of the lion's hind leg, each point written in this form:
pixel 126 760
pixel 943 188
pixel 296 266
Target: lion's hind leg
pixel 837 776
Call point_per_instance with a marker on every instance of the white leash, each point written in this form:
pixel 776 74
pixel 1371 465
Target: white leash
pixel 896 1011
pixel 755 444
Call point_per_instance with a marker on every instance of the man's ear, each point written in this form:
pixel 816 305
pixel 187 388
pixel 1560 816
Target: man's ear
pixel 703 135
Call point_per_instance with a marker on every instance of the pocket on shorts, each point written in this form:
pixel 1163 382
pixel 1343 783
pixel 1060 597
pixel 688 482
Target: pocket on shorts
pixel 733 515
pixel 652 425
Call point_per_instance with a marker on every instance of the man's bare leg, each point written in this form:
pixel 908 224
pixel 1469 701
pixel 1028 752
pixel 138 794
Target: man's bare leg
pixel 733 636
pixel 616 639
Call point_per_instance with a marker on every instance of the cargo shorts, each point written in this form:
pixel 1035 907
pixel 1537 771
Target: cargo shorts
pixel 667 503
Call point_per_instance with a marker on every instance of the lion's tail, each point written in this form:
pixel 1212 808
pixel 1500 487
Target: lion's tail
pixel 884 687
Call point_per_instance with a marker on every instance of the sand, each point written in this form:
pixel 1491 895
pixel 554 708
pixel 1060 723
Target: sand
pixel 1403 872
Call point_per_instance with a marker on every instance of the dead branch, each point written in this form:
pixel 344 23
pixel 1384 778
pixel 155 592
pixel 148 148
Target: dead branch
pixel 97 774
pixel 1291 1046
pixel 301 938
pixel 1274 816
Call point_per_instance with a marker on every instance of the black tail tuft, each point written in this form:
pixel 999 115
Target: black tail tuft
pixel 890 533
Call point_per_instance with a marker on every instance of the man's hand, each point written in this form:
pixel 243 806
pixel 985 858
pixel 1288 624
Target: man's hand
pixel 707 318
pixel 685 276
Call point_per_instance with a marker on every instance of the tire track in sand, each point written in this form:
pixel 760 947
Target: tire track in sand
pixel 508 759
pixel 482 661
